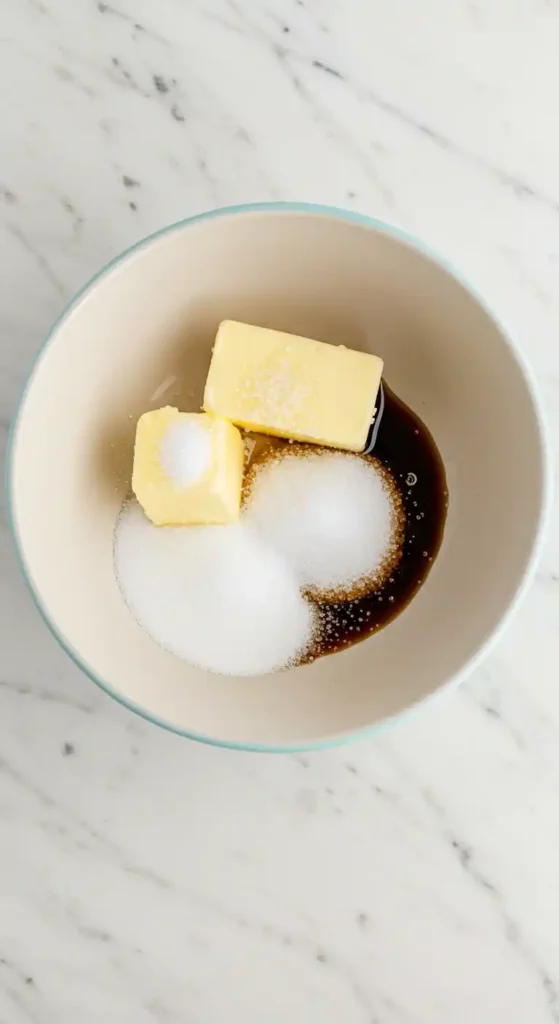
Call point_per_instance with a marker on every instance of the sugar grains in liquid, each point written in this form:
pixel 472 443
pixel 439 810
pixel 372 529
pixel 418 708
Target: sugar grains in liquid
pixel 335 517
pixel 409 456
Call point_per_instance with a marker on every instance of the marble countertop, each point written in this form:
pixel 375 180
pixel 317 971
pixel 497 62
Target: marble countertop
pixel 410 879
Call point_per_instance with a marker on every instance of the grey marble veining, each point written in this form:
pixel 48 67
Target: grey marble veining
pixel 411 879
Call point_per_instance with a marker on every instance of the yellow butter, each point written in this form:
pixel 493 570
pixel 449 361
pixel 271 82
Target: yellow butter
pixel 292 387
pixel 188 467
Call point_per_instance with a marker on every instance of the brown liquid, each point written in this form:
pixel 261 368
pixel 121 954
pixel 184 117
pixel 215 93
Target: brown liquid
pixel 406 449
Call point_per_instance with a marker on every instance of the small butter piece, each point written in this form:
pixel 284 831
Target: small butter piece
pixel 292 387
pixel 188 468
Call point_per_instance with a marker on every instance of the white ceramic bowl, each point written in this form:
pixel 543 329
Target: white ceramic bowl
pixel 149 320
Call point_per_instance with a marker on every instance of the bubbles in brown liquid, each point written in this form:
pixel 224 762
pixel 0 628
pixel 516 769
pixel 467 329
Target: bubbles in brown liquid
pixel 414 474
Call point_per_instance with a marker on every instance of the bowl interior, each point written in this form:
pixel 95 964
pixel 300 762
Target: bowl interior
pixel 141 337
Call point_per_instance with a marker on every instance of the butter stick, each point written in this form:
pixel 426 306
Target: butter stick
pixel 293 387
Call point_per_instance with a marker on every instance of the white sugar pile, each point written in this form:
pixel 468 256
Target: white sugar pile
pixel 333 517
pixel 228 598
pixel 185 452
pixel 217 596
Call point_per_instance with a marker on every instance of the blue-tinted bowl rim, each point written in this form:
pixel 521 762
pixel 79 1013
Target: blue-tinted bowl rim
pixel 411 241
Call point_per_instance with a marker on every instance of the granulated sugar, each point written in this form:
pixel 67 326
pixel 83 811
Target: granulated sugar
pixel 185 452
pixel 335 518
pixel 217 596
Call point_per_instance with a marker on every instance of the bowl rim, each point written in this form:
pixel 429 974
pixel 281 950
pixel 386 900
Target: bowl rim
pixel 409 240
